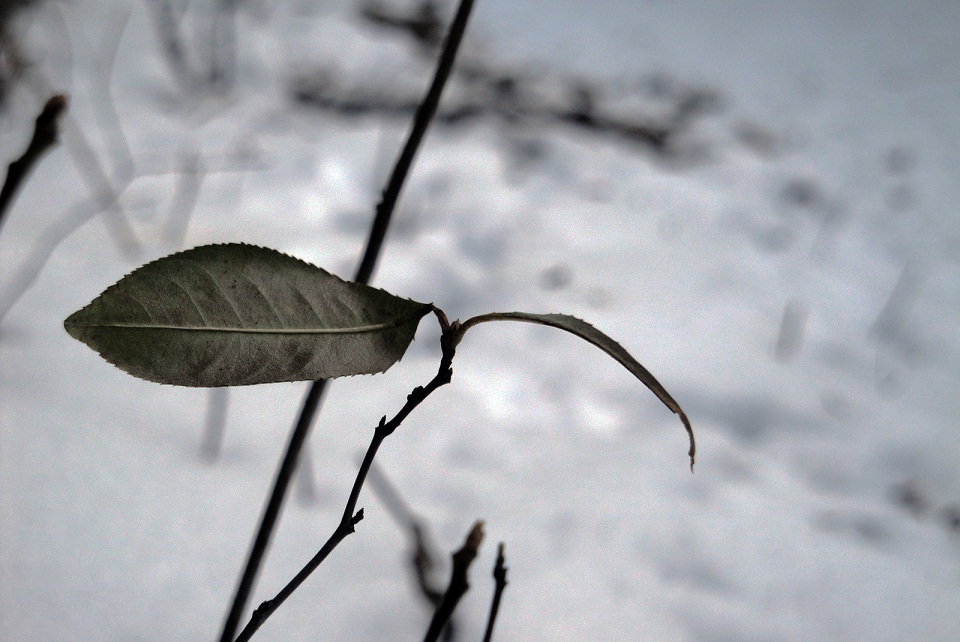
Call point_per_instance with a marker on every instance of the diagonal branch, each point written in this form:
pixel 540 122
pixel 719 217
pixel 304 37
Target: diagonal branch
pixel 351 516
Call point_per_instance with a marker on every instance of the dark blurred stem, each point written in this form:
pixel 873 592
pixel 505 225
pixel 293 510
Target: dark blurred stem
pixel 462 559
pixel 422 559
pixel 500 583
pixel 217 401
pixel 371 255
pixel 45 135
pixel 223 50
pixel 351 516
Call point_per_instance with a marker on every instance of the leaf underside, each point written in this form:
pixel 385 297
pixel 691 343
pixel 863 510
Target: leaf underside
pixel 235 314
pixel 590 334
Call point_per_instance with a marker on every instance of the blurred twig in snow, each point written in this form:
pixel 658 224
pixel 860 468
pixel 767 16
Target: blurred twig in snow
pixel 462 559
pixel 423 558
pixel 217 401
pixel 46 132
pixel 513 96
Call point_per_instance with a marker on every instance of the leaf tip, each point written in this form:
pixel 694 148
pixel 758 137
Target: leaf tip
pixel 693 442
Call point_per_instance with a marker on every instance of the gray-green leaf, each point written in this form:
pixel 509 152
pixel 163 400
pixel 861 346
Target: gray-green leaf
pixel 231 315
pixel 589 333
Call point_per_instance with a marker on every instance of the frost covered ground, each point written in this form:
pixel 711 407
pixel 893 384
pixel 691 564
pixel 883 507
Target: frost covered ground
pixel 791 273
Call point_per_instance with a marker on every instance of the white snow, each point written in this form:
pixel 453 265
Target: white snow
pixel 793 526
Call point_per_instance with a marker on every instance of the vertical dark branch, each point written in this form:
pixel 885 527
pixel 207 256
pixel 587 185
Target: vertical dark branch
pixel 46 132
pixel 462 559
pixel 500 583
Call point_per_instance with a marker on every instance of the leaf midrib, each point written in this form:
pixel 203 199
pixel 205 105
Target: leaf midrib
pixel 181 328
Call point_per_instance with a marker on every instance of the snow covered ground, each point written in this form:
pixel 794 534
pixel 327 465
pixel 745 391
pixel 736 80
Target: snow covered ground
pixel 791 275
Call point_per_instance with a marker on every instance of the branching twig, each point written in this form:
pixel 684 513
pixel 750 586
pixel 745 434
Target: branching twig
pixel 45 135
pixel 500 581
pixel 351 516
pixel 458 582
pixel 378 233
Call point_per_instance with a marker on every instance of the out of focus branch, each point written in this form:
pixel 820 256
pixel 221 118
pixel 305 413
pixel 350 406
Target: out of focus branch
pixel 515 101
pixel 46 133
pixel 422 559
pixel 167 24
pixel 423 24
pixel 462 559
pixel 103 192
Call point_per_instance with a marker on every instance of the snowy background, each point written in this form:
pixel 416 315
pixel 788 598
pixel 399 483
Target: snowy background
pixel 788 267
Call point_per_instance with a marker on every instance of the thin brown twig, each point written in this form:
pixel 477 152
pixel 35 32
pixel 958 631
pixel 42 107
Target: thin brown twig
pixel 421 122
pixel 351 516
pixel 458 582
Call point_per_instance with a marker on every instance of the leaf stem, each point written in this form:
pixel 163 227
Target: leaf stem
pixel 311 403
